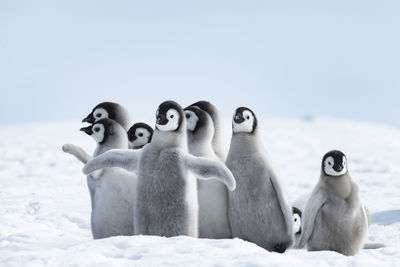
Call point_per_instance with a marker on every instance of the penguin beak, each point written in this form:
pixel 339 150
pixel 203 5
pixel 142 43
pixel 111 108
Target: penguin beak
pixel 161 119
pixel 89 118
pixel 338 167
pixel 131 136
pixel 87 130
pixel 238 118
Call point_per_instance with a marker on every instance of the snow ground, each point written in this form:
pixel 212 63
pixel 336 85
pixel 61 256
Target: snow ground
pixel 45 206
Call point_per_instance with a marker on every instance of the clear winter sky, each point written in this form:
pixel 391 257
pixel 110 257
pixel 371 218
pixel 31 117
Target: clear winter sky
pixel 281 58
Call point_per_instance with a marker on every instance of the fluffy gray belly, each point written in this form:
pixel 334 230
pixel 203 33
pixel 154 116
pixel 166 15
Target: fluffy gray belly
pixel 338 228
pixel 164 203
pixel 112 207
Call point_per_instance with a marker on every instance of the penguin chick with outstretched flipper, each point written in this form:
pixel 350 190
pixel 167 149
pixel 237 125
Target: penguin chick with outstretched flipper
pixel 112 111
pixel 217 143
pixel 212 194
pixel 112 190
pixel 166 200
pixel 139 135
pixel 334 218
pixel 258 209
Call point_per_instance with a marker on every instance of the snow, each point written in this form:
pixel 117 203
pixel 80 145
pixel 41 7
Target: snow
pixel 45 205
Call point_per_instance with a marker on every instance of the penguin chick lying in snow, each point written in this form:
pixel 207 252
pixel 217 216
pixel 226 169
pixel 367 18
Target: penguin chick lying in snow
pixel 334 217
pixel 298 214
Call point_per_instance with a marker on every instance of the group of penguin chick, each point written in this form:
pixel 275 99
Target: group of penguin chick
pixel 177 180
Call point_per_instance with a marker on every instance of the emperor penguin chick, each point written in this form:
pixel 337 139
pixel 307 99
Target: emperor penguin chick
pixel 166 199
pixel 217 143
pixel 139 135
pixel 258 209
pixel 212 194
pixel 112 111
pixel 112 190
pixel 298 206
pixel 296 225
pixel 334 218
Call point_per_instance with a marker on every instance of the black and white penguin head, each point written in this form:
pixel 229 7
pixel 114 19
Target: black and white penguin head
pixel 108 110
pixel 199 124
pixel 169 116
pixel 140 134
pixel 244 121
pixel 296 220
pixel 196 118
pixel 192 118
pixel 207 107
pixel 101 111
pixel 102 130
pixel 334 163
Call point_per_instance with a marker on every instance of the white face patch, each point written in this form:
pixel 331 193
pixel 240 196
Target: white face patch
pixel 173 121
pixel 98 132
pixel 328 167
pixel 100 113
pixel 191 119
pixel 296 223
pixel 142 137
pixel 246 126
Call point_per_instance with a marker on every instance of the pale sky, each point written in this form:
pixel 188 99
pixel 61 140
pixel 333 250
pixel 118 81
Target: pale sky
pixel 280 58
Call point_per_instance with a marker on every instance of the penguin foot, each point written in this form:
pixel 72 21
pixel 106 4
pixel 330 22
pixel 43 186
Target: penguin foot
pixel 280 248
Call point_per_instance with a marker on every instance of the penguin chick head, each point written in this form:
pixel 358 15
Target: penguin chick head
pixel 196 118
pixel 296 220
pixel 244 121
pixel 169 116
pixel 101 130
pixel 102 111
pixel 140 134
pixel 334 163
pixel 207 107
pixel 192 118
pixel 200 125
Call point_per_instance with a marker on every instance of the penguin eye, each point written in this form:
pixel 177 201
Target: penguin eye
pixel 172 116
pixel 329 163
pixel 98 115
pixel 187 116
pixel 295 219
pixel 96 129
pixel 140 134
pixel 248 117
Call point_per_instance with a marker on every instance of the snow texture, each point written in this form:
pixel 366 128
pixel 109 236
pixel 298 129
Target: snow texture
pixel 45 205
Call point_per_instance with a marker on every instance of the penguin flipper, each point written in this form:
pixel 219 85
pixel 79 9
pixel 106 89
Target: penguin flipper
pixel 77 152
pixel 314 203
pixel 123 158
pixel 284 204
pixel 206 169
